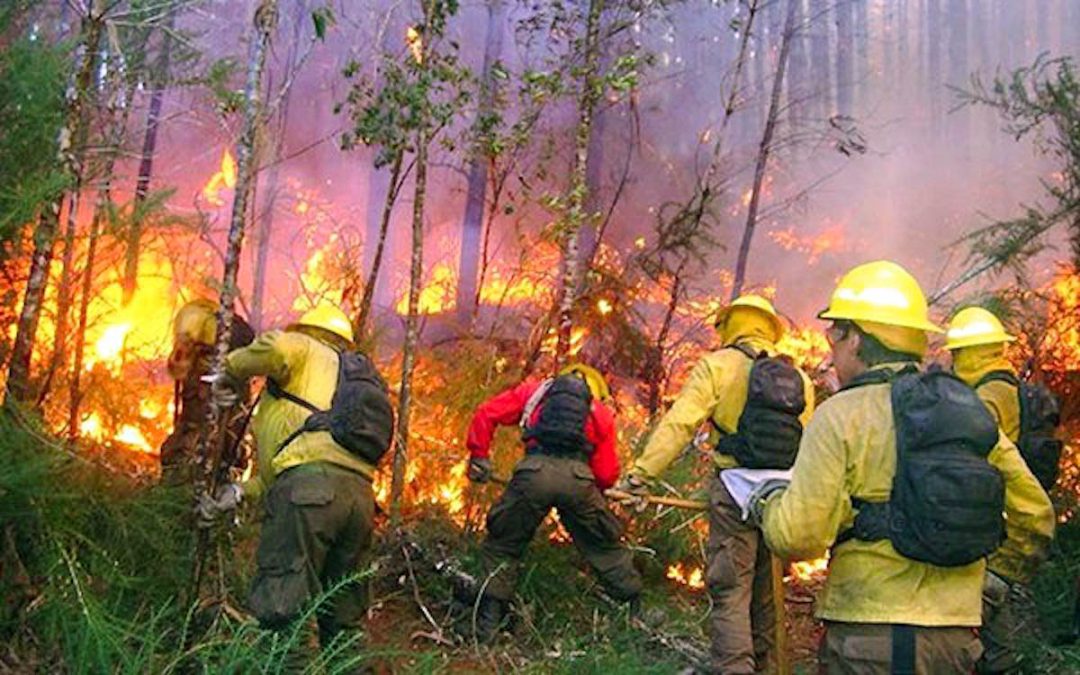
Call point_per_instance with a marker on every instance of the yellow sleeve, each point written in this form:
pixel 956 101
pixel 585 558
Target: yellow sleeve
pixel 809 394
pixel 268 355
pixel 1001 400
pixel 803 520
pixel 1029 522
pixel 693 406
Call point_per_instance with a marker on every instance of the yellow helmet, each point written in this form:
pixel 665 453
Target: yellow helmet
pixel 329 318
pixel 753 302
pixel 880 292
pixel 597 384
pixel 975 326
pixel 196 321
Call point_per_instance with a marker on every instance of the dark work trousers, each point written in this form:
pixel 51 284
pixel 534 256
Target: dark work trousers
pixel 543 482
pixel 742 622
pixel 319 521
pixel 869 649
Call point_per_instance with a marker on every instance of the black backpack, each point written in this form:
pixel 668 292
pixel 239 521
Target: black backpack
pixel 565 405
pixel 947 501
pixel 769 429
pixel 1040 416
pixel 360 418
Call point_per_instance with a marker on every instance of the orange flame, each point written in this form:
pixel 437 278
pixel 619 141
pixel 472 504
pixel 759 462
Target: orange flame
pixel 691 577
pixel 225 178
pixel 415 43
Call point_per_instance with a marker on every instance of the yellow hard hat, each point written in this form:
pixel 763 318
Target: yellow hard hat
pixel 196 321
pixel 880 292
pixel 329 318
pixel 753 302
pixel 597 384
pixel 975 326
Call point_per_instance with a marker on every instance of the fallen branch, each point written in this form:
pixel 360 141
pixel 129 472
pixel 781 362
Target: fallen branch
pixel 692 504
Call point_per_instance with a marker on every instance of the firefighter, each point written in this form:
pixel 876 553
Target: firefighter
pixel 908 528
pixel 319 504
pixel 755 405
pixel 976 338
pixel 569 436
pixel 194 331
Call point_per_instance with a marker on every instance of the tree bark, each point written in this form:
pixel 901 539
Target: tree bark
pixel 819 56
pixel 146 161
pixel 69 158
pixel 935 75
pixel 763 152
pixel 576 194
pixel 210 441
pixel 796 94
pixel 472 226
pixel 392 191
pixel 958 69
pixel 264 226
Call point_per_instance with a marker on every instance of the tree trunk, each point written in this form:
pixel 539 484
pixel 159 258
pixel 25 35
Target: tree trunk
pixel 958 70
pixel 656 374
pixel 796 94
pixel 392 191
pixel 845 58
pixel 819 55
pixel 862 52
pixel 472 226
pixel 69 158
pixel 146 161
pixel 589 238
pixel 246 151
pixel 264 226
pixel 935 75
pixel 763 152
pixel 591 89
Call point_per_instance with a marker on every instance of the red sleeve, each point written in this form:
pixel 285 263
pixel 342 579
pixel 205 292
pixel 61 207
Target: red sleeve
pixel 601 433
pixel 503 409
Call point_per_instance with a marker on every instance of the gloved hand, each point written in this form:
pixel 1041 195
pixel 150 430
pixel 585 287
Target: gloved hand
pixel 209 508
pixel 635 486
pixel 224 389
pixel 758 497
pixel 479 469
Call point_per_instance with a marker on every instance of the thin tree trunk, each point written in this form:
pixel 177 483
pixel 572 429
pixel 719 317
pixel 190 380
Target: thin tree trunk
pixel 958 69
pixel 796 94
pixel 763 153
pixel 69 158
pixel 935 75
pixel 845 58
pixel 472 226
pixel 265 225
pixel 146 161
pixel 819 56
pixel 392 191
pixel 591 90
pixel 64 287
pixel 210 441
pixel 656 373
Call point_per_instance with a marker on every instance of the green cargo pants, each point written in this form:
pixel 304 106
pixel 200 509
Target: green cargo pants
pixel 867 649
pixel 319 521
pixel 1009 616
pixel 742 622
pixel 541 482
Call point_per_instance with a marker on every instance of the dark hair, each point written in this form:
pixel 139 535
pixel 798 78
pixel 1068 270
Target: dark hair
pixel 873 353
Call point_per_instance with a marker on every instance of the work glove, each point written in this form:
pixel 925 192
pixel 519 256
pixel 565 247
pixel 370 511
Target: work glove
pixel 635 486
pixel 479 469
pixel 209 508
pixel 761 494
pixel 224 390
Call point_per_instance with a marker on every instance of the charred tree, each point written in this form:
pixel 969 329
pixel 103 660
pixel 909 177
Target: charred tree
pixel 472 226
pixel 159 79
pixel 210 450
pixel 764 149
pixel 575 198
pixel 69 159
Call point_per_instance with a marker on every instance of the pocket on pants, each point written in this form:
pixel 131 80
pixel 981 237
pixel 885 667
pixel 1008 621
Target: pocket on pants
pixel 280 589
pixel 720 574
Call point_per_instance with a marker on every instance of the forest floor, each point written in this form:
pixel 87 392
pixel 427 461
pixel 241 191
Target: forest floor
pixel 93 565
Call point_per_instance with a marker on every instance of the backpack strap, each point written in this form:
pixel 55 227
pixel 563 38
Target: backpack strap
pixel 747 350
pixel 315 421
pixel 998 376
pixel 878 376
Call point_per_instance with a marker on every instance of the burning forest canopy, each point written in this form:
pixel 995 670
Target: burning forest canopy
pixel 724 148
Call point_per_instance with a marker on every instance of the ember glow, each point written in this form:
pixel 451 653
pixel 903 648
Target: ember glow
pixel 224 179
pixel 691 577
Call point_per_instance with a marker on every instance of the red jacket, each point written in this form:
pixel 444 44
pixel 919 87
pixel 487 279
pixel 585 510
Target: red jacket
pixel 506 408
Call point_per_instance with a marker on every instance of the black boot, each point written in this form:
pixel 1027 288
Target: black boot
pixel 490 617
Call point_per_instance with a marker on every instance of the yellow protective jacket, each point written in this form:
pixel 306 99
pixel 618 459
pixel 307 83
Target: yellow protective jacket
pixel 849 449
pixel 305 367
pixel 716 390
